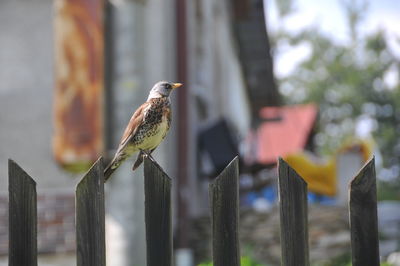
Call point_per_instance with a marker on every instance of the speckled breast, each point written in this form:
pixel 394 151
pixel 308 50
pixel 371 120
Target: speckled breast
pixel 156 125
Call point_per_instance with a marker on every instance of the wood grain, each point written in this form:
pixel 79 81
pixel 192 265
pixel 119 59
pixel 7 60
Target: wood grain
pixel 293 214
pixel 90 223
pixel 363 217
pixel 224 200
pixel 158 218
pixel 22 217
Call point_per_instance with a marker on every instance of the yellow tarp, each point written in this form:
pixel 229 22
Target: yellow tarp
pixel 321 178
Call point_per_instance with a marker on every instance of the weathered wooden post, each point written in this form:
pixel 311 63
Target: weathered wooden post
pixel 224 200
pixel 22 225
pixel 90 223
pixel 293 214
pixel 364 217
pixel 158 218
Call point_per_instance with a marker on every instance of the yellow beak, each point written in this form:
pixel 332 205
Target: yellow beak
pixel 176 85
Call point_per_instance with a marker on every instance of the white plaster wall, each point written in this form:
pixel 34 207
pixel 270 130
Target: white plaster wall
pixel 26 91
pixel 144 54
pixel 347 166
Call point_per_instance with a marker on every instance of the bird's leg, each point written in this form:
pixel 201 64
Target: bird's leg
pixel 148 155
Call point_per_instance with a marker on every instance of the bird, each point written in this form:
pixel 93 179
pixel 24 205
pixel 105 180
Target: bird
pixel 147 127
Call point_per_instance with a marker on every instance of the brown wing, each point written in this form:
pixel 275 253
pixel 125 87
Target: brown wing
pixel 134 123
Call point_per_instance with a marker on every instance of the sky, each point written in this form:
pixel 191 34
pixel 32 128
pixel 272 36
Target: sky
pixel 330 18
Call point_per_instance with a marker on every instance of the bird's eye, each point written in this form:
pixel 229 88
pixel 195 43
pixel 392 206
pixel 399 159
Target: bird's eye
pixel 168 86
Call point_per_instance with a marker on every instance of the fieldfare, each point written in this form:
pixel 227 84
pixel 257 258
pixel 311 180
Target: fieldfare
pixel 148 126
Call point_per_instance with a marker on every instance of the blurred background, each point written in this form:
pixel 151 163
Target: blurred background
pixel 314 82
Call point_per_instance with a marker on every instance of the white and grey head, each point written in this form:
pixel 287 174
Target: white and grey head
pixel 162 89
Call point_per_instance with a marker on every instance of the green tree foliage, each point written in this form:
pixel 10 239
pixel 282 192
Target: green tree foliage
pixel 348 82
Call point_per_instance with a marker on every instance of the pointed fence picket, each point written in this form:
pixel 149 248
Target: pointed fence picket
pixel 364 217
pixel 90 219
pixel 158 217
pixel 224 201
pixel 22 229
pixel 293 212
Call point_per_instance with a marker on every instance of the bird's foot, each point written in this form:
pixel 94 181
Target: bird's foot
pixel 148 155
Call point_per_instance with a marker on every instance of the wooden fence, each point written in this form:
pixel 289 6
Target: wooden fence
pixel 224 201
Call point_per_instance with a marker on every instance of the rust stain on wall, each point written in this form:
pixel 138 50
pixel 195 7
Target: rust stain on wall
pixel 78 97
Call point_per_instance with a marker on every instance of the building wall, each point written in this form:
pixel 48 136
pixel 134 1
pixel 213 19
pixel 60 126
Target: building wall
pixel 217 84
pixel 143 53
pixel 26 98
pixel 26 93
pixel 215 71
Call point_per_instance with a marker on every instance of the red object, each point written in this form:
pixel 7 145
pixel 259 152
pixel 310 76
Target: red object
pixel 286 130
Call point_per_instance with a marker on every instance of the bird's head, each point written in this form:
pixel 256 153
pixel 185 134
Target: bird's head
pixel 163 89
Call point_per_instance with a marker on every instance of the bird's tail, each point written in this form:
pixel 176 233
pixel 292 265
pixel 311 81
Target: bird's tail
pixel 117 161
pixel 139 161
pixel 108 171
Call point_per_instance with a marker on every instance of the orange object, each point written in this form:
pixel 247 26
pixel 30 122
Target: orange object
pixel 78 118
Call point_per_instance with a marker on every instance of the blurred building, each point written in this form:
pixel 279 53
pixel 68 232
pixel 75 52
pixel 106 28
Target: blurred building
pixel 26 100
pixel 219 53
